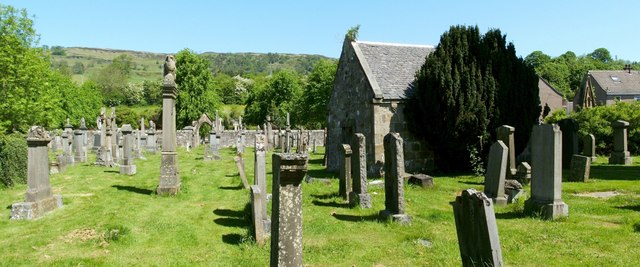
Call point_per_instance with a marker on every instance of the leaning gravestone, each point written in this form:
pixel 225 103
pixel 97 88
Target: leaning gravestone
pixel 394 179
pixel 38 199
pixel 345 172
pixel 546 174
pixel 496 173
pixel 359 195
pixel 261 223
pixel 589 147
pixel 128 166
pixel 580 168
pixel 169 183
pixel 505 134
pixel 569 128
pixel 620 154
pixel 286 217
pixel 240 164
pixel 477 230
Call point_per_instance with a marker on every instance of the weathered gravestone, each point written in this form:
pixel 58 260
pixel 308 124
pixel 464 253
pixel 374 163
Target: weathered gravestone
pixel 240 164
pixel 128 166
pixel 569 128
pixel 524 173
pixel 394 179
pixel 620 154
pixel 589 147
pixel 80 154
pixel 151 138
pixel 270 138
pixel 505 134
pixel 259 163
pixel 546 174
pixel 496 173
pixel 208 149
pixel 359 195
pixel 580 168
pixel 477 230
pixel 421 180
pixel 67 141
pixel 169 177
pixel 286 217
pixel 38 199
pixel 115 148
pixel 345 172
pixel 261 223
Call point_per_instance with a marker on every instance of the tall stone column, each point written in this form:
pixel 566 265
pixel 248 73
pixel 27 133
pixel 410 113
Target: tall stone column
pixel 546 173
pixel 38 199
pixel 360 195
pixel 505 134
pixel 169 175
pixel 259 163
pixel 286 217
pixel 80 154
pixel 128 166
pixel 394 179
pixel 115 150
pixel 620 154
pixel 269 132
pixel 344 188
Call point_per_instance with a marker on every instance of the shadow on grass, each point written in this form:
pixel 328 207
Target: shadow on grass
pixel 133 189
pixel 237 187
pixel 330 204
pixel 630 207
pixel 316 161
pixel 232 239
pixel 198 158
pixel 510 215
pixel 232 222
pixel 112 171
pixel 357 218
pixel 471 183
pixel 229 213
pixel 320 174
pixel 615 172
pixel 326 196
pixel 9 207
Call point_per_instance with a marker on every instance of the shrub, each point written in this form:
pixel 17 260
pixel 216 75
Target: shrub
pixel 13 159
pixel 597 121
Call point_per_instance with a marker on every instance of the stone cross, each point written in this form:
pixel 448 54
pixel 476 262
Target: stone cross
pixel 620 154
pixel 360 195
pixel 80 151
pixel 589 147
pixel 128 166
pixel 506 135
pixel 496 173
pixel 286 217
pixel 546 173
pixel 38 199
pixel 477 229
pixel 569 128
pixel 169 183
pixel 394 179
pixel 344 189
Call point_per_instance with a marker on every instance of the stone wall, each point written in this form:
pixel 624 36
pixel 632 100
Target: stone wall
pixel 228 137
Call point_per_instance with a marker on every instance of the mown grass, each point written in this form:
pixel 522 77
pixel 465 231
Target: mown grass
pixel 115 220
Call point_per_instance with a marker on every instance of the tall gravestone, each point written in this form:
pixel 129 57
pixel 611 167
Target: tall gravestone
pixel 620 154
pixel 394 179
pixel 477 229
pixel 68 143
pixel 169 175
pixel 286 217
pixel 546 173
pixel 288 136
pixel 128 166
pixel 589 147
pixel 151 138
pixel 85 140
pixel 39 198
pixel 80 154
pixel 496 173
pixel 359 195
pixel 569 128
pixel 259 163
pixel 262 223
pixel 345 172
pixel 115 148
pixel 270 138
pixel 104 157
pixel 505 134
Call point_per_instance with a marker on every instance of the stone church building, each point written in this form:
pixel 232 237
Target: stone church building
pixel 372 82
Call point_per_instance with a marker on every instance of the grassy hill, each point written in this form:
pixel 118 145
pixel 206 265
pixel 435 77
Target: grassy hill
pixel 148 66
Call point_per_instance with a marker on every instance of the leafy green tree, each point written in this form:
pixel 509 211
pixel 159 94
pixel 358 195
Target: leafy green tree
pixel 601 55
pixel 58 50
pixel 78 102
pixel 312 108
pixel 277 96
pixel 196 92
pixel 78 68
pixel 113 80
pixel 152 92
pixel 226 86
pixel 537 58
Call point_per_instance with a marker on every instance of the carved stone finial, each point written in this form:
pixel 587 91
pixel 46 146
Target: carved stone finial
pixel 38 133
pixel 169 70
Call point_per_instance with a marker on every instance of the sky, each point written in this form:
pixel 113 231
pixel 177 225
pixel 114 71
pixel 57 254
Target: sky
pixel 318 27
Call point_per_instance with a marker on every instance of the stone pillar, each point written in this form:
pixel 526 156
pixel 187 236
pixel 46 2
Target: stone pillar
pixel 115 149
pixel 620 154
pixel 394 179
pixel 360 195
pixel 78 140
pixel 496 173
pixel 270 138
pixel 259 163
pixel 104 157
pixel 506 135
pixel 569 128
pixel 128 166
pixel 66 149
pixel 589 147
pixel 261 223
pixel 546 173
pixel 38 199
pixel 286 217
pixel 345 172
pixel 477 229
pixel 169 175
pixel 85 139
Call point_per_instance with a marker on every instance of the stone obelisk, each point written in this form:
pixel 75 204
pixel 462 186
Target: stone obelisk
pixel 169 176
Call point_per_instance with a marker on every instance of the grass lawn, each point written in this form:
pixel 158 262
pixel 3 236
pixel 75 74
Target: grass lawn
pixel 116 220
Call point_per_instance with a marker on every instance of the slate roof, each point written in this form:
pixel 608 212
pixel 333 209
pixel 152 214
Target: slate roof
pixel 391 68
pixel 617 82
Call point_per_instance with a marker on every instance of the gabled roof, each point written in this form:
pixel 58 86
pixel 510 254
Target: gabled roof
pixel 391 68
pixel 617 82
pixel 545 90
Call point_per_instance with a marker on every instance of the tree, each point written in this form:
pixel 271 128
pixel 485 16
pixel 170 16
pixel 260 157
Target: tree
pixel 113 80
pixel 275 97
pixel 537 58
pixel 196 93
pixel 601 55
pixel 313 105
pixel 468 86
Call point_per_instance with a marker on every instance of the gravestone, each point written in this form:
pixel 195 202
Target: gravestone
pixel 38 200
pixel 421 180
pixel 208 149
pixel 151 138
pixel 286 217
pixel 546 173
pixel 67 144
pixel 569 128
pixel 85 140
pixel 477 229
pixel 270 138
pixel 169 183
pixel 259 163
pixel 589 147
pixel 620 154
pixel 505 134
pixel 143 134
pixel 496 173
pixel 524 173
pixel 128 166
pixel 80 154
pixel 240 164
pixel 344 188
pixel 261 223
pixel 580 168
pixel 359 195
pixel 115 148
pixel 394 180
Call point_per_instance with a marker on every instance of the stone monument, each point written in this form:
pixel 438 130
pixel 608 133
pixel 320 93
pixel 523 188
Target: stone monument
pixel 169 175
pixel 128 166
pixel 344 188
pixel 569 128
pixel 505 134
pixel 620 154
pixel 394 179
pixel 496 173
pixel 360 194
pixel 589 147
